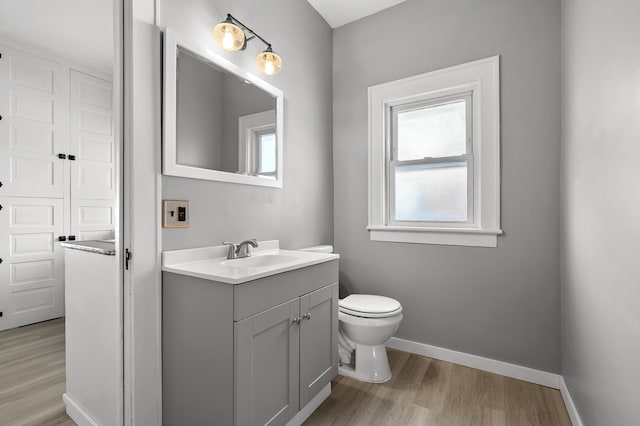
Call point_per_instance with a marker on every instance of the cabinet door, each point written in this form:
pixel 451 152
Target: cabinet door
pixel 93 173
pixel 32 261
pixel 33 126
pixel 318 341
pixel 267 366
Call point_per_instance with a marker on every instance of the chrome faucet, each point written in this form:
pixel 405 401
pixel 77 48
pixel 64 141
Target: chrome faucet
pixel 243 248
pixel 238 251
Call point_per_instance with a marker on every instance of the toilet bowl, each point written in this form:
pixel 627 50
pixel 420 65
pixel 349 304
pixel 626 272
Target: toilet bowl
pixel 366 322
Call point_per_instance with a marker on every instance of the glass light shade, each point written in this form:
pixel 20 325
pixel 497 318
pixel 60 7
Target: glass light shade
pixel 269 62
pixel 229 36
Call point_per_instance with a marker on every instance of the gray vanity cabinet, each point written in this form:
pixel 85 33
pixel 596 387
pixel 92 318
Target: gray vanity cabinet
pixel 318 341
pixel 267 365
pixel 284 357
pixel 248 354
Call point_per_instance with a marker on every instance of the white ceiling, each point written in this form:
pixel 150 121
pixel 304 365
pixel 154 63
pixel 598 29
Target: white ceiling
pixel 340 12
pixel 81 30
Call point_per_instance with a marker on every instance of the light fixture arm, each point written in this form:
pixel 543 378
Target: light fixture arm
pixel 232 19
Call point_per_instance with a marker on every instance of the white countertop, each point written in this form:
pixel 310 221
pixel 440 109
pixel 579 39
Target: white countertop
pixel 210 263
pixel 106 247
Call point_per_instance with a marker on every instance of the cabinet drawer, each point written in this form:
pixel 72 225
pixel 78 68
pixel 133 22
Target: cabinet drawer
pixel 256 296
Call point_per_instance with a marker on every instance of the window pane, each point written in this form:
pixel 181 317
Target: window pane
pixel 431 192
pixel 432 131
pixel 267 154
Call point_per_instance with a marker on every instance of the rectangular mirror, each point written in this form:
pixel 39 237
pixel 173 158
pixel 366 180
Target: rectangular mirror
pixel 220 122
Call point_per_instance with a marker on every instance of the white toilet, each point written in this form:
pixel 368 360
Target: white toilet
pixel 366 322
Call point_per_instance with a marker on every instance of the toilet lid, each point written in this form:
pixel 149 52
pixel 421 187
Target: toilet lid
pixel 370 304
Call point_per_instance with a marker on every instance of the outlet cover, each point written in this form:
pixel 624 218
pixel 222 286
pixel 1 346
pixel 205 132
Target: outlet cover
pixel 175 214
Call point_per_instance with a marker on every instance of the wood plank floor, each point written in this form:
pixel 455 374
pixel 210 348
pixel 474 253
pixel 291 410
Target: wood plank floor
pixel 32 375
pixel 425 391
pixel 422 391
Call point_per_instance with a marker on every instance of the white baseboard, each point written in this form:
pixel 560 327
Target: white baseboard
pixel 568 402
pixel 486 364
pixel 308 409
pixel 77 414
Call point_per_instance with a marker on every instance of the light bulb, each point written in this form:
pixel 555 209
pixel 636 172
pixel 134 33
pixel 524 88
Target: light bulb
pixel 227 40
pixel 268 67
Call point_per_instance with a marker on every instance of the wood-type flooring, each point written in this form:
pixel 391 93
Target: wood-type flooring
pixel 32 375
pixel 422 391
pixel 425 391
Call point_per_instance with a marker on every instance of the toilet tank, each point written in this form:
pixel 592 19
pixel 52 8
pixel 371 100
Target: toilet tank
pixel 318 249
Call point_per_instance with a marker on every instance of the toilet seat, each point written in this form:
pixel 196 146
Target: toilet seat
pixel 369 306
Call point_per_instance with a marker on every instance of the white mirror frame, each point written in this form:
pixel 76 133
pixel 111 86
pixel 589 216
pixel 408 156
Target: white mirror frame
pixel 170 166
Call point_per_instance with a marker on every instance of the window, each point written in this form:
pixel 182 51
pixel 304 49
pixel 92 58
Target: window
pixel 264 154
pixel 258 144
pixel 434 157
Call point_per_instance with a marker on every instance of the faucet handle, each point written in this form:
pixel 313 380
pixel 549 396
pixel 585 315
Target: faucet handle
pixel 231 253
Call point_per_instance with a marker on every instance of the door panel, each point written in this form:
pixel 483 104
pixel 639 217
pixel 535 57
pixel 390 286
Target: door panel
pixel 266 370
pixel 318 341
pixel 31 272
pixel 33 129
pixel 92 219
pixel 93 171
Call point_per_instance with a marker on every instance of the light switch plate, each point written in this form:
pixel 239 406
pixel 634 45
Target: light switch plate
pixel 175 214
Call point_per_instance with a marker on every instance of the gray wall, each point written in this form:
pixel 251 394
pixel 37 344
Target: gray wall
pixel 300 213
pixel 601 268
pixel 501 303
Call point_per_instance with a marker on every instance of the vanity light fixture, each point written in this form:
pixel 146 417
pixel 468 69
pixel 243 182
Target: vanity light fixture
pixel 230 35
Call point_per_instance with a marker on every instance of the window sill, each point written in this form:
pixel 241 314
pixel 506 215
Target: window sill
pixel 441 236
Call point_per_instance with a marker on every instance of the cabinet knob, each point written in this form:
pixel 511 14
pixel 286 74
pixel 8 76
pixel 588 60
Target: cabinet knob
pixel 296 320
pixel 307 316
pixel 62 238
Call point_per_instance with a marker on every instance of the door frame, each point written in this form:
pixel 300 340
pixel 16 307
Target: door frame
pixel 138 82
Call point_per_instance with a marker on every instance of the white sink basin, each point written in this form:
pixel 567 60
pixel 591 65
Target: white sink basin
pixel 211 263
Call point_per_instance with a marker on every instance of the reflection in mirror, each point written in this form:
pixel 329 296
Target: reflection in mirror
pixel 221 123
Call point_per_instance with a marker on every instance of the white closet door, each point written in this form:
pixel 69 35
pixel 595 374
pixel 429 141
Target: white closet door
pixel 31 272
pixel 93 170
pixel 91 136
pixel 33 128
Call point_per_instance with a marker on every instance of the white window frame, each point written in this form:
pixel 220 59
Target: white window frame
pixel 480 79
pixel 249 128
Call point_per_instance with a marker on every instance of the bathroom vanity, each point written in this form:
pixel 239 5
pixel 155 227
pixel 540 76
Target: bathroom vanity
pixel 248 341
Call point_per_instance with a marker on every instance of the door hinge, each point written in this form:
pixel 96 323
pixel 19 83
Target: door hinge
pixel 127 258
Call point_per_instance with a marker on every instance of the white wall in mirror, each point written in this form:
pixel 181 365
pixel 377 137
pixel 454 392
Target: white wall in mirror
pixel 225 126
